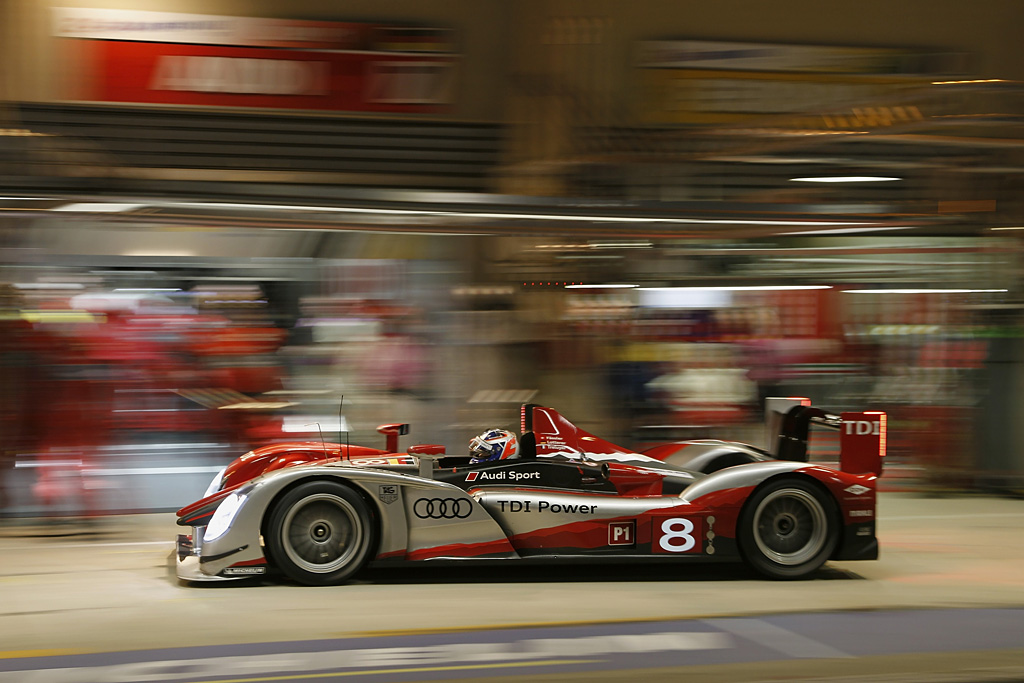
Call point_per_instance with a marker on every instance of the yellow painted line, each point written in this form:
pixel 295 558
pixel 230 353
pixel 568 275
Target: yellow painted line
pixel 15 654
pixel 422 669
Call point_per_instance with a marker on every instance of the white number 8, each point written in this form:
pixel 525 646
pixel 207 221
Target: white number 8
pixel 670 532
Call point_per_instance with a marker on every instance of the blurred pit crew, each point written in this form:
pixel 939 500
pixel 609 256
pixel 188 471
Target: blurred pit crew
pixel 493 445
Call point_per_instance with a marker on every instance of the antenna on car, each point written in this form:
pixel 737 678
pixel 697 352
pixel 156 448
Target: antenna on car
pixel 341 404
pixel 322 444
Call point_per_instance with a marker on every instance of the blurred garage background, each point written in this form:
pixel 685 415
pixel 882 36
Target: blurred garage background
pixel 226 224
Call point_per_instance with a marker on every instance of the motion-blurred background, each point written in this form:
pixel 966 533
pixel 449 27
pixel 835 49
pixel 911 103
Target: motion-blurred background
pixel 229 223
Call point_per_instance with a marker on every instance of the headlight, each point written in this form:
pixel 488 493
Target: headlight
pixel 223 517
pixel 215 484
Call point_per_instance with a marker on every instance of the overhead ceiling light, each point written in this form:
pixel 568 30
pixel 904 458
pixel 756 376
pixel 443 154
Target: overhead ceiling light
pixel 169 253
pixel 48 285
pixel 840 231
pixel 736 288
pixel 770 160
pixel 923 291
pixel 979 80
pixel 846 179
pixel 602 286
pixel 147 290
pixel 632 244
pixel 113 207
pixel 99 207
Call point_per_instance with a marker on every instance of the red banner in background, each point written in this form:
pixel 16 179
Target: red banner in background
pixel 222 76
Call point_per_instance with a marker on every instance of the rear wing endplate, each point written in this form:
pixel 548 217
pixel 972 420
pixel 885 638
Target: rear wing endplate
pixel 862 435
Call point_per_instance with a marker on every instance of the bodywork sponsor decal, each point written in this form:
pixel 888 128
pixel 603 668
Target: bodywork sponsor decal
pixel 677 534
pixel 406 460
pixel 244 571
pixel 443 508
pixel 388 493
pixel 546 506
pixel 503 476
pixel 622 533
pixel 856 489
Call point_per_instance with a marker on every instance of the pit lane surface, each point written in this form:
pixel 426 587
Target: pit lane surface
pixel 944 598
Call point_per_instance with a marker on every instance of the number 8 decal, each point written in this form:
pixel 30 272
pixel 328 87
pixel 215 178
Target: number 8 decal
pixel 677 535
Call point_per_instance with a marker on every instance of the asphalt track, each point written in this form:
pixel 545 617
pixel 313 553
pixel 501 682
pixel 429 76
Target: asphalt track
pixel 99 603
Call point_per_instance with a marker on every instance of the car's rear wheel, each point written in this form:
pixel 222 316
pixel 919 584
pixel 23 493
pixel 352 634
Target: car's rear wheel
pixel 788 528
pixel 320 533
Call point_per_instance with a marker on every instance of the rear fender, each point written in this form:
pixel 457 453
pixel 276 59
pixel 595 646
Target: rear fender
pixel 726 490
pixel 854 499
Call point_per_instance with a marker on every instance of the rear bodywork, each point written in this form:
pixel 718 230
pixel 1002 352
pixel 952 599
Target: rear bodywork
pixel 570 495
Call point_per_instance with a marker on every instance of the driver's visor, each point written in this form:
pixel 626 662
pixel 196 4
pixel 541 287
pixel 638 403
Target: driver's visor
pixel 479 449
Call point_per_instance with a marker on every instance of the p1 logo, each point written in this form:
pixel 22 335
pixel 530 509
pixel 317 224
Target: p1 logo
pixel 677 534
pixel 622 533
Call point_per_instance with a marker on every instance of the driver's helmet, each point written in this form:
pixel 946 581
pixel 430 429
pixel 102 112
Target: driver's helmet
pixel 494 444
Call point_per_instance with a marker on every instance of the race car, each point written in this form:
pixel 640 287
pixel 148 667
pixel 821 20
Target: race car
pixel 319 512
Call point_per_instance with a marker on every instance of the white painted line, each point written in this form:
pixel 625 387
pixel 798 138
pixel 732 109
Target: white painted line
pixel 777 638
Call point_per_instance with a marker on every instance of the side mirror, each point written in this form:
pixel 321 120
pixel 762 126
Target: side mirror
pixel 392 432
pixel 427 453
pixel 427 449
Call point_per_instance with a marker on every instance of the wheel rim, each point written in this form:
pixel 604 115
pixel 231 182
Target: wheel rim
pixel 322 533
pixel 790 526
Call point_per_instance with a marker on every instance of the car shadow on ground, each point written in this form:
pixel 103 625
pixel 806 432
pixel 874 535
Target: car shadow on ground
pixel 534 572
pixel 578 572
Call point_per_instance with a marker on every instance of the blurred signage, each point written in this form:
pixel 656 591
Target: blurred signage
pixel 210 60
pixel 702 54
pixel 695 96
pixel 708 82
pixel 210 75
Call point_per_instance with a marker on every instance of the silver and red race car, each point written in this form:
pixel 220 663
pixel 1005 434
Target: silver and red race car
pixel 320 512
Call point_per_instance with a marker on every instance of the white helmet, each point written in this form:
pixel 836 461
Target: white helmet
pixel 494 444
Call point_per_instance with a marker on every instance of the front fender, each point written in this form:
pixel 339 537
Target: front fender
pixel 404 535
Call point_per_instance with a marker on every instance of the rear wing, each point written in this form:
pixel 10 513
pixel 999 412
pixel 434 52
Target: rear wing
pixel 862 435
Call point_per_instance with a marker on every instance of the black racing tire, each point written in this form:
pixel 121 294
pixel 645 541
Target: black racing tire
pixel 788 528
pixel 320 533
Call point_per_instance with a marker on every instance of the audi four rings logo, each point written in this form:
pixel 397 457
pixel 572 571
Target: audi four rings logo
pixel 442 508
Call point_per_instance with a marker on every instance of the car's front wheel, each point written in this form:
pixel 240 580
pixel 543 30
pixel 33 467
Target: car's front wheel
pixel 788 528
pixel 320 533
